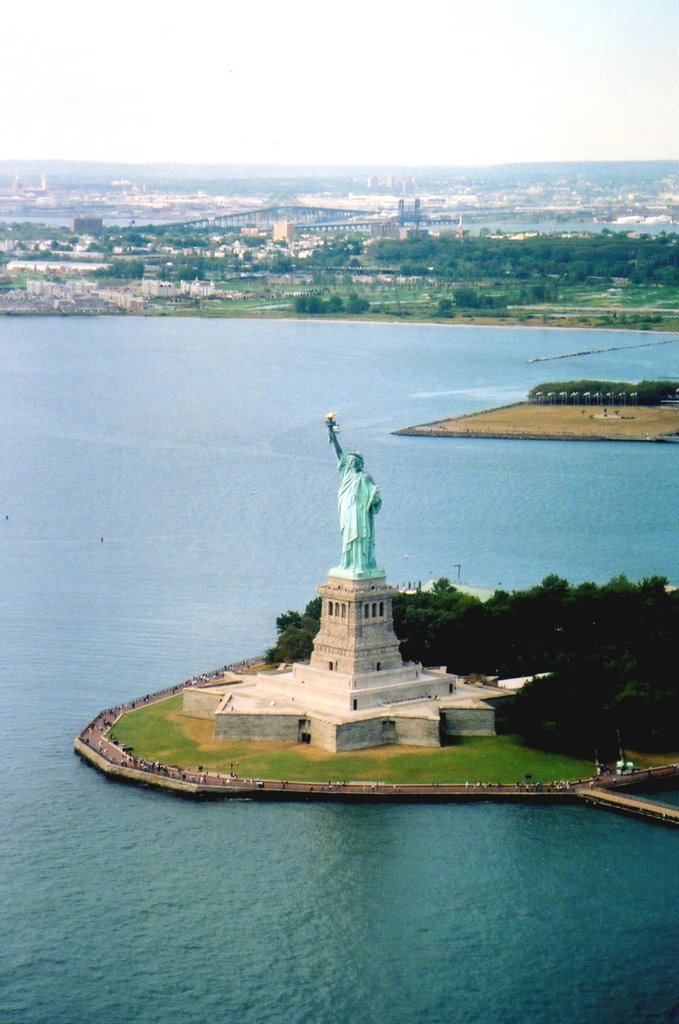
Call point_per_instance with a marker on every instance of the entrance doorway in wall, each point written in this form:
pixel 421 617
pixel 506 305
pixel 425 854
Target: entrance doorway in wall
pixel 388 731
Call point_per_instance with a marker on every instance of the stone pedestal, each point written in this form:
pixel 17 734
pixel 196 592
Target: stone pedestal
pixel 356 663
pixel 356 692
pixel 357 628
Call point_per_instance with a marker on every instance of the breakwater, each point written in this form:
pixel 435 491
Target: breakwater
pixel 597 351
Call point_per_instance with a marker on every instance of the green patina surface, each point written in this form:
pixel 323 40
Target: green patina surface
pixel 358 502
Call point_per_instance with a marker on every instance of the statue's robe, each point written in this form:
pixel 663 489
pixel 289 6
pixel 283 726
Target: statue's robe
pixel 357 501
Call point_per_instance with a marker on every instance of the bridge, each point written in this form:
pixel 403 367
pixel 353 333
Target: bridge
pixel 296 213
pixel 320 218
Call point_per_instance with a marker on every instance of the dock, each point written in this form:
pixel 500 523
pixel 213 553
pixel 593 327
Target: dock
pixel 633 806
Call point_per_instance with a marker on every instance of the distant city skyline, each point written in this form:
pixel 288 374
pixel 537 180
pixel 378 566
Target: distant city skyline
pixel 462 83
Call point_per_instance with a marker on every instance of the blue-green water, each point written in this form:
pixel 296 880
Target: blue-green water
pixel 197 451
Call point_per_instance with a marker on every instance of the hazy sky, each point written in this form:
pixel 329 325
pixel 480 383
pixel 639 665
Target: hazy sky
pixel 361 81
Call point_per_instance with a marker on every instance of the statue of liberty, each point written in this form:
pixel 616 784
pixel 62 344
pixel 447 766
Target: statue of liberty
pixel 358 502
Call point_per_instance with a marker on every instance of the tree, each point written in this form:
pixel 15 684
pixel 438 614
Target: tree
pixel 296 632
pixel 287 619
pixel 356 304
pixel 122 270
pixel 442 586
pixel 294 644
pixel 466 298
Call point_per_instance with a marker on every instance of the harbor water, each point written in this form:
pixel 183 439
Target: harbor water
pixel 167 490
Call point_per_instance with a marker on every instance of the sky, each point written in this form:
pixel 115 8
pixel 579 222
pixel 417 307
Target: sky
pixel 369 82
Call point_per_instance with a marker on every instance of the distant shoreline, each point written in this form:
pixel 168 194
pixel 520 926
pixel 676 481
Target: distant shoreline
pixel 526 421
pixel 507 323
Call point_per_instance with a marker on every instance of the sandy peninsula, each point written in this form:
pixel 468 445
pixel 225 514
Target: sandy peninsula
pixel 528 421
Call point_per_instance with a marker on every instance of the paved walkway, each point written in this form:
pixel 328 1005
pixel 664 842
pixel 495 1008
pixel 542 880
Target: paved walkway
pixel 626 803
pixel 95 746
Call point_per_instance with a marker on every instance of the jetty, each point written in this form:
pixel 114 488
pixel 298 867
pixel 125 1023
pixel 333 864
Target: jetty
pixel 596 351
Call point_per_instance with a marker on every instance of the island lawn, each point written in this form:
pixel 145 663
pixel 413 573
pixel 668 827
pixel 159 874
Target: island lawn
pixel 559 422
pixel 159 732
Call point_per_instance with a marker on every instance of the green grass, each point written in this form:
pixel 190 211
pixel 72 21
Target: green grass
pixel 624 298
pixel 160 733
pixel 588 305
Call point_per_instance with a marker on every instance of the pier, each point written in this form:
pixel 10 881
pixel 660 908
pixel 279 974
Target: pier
pixel 606 798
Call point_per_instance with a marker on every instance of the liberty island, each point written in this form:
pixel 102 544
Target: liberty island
pixel 355 693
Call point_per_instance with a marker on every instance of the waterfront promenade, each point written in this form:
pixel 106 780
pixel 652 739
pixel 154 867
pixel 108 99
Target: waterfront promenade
pixel 609 792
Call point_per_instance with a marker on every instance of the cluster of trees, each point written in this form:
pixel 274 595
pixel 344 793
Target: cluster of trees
pixel 471 298
pixel 483 298
pixel 295 634
pixel 31 231
pixel 338 253
pixel 568 260
pixel 122 270
pixel 188 268
pixel 610 651
pixel 334 304
pixel 648 392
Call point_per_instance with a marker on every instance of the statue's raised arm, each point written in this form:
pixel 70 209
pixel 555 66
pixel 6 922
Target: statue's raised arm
pixel 358 501
pixel 332 431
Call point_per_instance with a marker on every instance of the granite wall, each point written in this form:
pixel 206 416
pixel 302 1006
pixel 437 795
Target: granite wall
pixel 468 721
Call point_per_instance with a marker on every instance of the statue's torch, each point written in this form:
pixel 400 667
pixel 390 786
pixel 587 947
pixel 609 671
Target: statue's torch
pixel 331 424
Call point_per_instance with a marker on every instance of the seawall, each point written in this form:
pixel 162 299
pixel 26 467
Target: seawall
pixel 95 747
